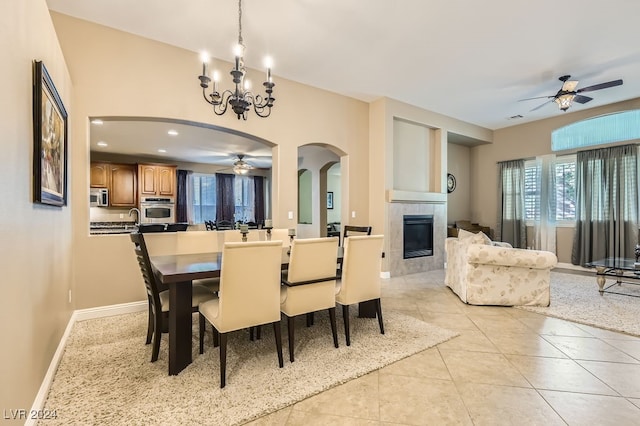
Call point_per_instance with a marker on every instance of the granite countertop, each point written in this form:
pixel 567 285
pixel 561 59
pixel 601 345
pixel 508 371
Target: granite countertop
pixel 101 228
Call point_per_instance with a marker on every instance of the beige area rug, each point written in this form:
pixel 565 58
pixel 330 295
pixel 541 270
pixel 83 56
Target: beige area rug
pixel 105 376
pixel 576 298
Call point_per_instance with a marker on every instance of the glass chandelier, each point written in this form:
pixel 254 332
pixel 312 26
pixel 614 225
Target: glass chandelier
pixel 241 99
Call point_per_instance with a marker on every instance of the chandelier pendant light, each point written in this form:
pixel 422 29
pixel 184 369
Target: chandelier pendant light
pixel 241 99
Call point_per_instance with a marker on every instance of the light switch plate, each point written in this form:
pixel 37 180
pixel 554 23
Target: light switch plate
pixel 353 214
pixel 290 215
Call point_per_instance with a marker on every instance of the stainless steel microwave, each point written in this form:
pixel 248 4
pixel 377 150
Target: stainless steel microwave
pixel 99 197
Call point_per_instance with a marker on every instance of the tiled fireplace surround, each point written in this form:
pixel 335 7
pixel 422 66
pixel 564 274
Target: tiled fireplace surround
pixel 395 212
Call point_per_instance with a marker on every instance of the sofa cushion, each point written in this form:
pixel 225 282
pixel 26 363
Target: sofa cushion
pixel 471 238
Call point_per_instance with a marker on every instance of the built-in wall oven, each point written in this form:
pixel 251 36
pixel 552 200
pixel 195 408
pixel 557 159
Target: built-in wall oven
pixel 157 210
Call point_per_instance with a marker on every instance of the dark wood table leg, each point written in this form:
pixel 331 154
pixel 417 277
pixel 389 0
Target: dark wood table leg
pixel 180 295
pixel 367 309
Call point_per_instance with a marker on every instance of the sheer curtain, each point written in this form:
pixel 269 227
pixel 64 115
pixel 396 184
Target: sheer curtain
pixel 545 226
pixel 511 224
pixel 606 204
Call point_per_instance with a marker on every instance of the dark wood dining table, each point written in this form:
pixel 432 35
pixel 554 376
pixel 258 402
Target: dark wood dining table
pixel 177 272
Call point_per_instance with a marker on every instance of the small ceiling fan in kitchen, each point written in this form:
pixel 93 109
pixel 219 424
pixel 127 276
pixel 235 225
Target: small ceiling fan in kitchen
pixel 568 93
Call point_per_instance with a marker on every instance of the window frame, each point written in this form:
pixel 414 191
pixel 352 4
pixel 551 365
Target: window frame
pixel 529 164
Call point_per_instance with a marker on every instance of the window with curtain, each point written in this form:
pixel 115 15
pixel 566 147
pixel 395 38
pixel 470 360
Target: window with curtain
pixel 244 195
pixel 203 197
pixel 606 204
pixel 565 189
pixel 511 190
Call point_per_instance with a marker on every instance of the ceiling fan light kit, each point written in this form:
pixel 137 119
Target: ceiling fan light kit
pixel 568 94
pixel 241 98
pixel 241 167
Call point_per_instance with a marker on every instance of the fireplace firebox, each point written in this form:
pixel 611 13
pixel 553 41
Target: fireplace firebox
pixel 417 236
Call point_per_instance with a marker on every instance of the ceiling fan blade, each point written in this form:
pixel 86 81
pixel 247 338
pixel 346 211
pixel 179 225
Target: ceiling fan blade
pixel 582 99
pixel 600 86
pixel 569 86
pixel 541 105
pixel 539 97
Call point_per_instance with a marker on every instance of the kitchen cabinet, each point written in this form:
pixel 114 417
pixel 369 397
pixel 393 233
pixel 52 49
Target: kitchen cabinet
pixel 123 185
pixel 99 175
pixel 157 180
pixel 121 181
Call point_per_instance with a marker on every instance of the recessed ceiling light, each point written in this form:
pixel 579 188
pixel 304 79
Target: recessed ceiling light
pixel 102 143
pixel 97 121
pixel 173 132
pixel 162 150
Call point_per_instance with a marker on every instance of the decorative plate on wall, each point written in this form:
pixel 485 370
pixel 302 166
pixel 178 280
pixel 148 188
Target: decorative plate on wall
pixel 451 182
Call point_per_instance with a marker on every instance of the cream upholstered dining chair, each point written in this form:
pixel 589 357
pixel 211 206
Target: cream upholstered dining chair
pixel 249 295
pixel 159 300
pixel 234 236
pixel 310 283
pixel 360 280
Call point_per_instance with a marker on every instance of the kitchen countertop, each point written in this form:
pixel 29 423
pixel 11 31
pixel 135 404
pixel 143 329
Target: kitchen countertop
pixel 102 228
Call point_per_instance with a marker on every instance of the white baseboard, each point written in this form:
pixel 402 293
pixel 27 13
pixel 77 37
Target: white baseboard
pixel 77 315
pixel 385 275
pixel 111 310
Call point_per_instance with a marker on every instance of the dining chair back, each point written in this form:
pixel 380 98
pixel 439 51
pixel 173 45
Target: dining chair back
pixel 249 294
pixel 310 283
pixel 234 236
pixel 198 242
pixel 360 280
pixel 209 225
pixel 222 225
pixel 280 234
pixel 158 299
pixel 350 230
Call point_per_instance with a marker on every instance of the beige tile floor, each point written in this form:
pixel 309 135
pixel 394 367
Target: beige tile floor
pixel 507 367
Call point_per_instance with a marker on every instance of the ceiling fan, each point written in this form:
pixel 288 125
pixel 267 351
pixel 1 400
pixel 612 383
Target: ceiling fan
pixel 241 167
pixel 568 93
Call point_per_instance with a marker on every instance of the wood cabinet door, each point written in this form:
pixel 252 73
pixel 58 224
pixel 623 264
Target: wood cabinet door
pixel 147 176
pixel 166 180
pixel 123 185
pixel 99 175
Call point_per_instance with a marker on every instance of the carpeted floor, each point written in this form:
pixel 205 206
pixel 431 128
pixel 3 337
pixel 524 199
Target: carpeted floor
pixel 575 297
pixel 105 376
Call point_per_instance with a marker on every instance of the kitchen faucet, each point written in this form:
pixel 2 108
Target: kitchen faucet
pixel 137 215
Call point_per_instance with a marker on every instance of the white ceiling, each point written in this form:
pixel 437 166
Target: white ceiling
pixel 469 60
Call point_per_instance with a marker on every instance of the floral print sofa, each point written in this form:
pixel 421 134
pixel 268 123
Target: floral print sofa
pixel 483 272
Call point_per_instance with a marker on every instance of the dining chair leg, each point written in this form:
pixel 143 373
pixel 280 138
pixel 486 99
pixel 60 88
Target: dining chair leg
pixel 345 316
pixel 309 319
pixel 223 359
pixel 201 332
pixel 157 335
pixel 258 332
pixel 216 337
pixel 251 337
pixel 290 326
pixel 277 330
pixel 379 312
pixel 334 328
pixel 150 323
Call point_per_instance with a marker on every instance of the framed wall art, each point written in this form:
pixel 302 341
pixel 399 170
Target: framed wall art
pixel 50 141
pixel 329 200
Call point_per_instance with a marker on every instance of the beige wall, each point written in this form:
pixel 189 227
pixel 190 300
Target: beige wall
pixel 119 74
pixel 35 240
pixel 383 114
pixel 524 141
pixel 459 201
